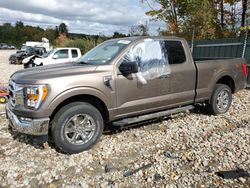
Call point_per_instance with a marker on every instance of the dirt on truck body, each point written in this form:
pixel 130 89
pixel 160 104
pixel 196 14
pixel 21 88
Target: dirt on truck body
pixel 121 81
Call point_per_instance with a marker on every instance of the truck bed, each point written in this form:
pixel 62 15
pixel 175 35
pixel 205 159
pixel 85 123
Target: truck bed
pixel 201 59
pixel 210 70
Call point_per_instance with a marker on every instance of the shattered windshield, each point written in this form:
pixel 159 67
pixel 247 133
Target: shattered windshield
pixel 27 49
pixel 103 53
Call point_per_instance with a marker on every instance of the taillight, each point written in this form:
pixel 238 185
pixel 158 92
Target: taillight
pixel 244 69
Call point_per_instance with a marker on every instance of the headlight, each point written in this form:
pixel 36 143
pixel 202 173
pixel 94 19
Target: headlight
pixel 34 95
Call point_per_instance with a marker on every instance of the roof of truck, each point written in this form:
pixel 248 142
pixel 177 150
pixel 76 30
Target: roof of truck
pixel 134 38
pixel 63 48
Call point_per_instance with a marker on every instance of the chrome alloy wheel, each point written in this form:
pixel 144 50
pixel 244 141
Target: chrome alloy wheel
pixel 79 129
pixel 222 101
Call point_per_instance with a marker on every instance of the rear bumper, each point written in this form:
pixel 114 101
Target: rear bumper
pixel 38 126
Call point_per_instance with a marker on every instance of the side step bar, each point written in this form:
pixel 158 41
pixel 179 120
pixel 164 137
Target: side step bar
pixel 152 116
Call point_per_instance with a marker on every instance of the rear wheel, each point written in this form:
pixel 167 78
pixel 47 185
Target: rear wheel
pixel 221 99
pixel 77 127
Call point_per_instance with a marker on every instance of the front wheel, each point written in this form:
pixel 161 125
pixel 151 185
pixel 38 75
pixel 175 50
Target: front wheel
pixel 77 127
pixel 221 99
pixel 29 65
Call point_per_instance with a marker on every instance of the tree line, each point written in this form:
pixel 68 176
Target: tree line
pixel 59 36
pixel 209 19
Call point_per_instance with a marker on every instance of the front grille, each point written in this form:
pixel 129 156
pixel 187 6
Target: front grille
pixel 15 94
pixel 11 89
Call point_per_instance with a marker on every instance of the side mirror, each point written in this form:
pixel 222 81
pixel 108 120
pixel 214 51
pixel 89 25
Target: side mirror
pixel 128 67
pixel 55 56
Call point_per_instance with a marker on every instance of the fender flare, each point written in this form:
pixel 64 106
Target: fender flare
pixel 217 78
pixel 73 92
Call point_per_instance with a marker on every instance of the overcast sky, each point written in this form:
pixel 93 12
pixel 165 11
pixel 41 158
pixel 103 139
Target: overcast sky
pixel 89 16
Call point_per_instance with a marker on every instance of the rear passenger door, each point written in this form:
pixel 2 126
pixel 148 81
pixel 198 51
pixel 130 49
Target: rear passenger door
pixel 183 73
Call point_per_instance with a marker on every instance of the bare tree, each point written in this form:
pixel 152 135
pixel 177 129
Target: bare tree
pixel 243 15
pixel 222 13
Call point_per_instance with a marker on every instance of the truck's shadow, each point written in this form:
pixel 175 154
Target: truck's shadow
pixel 199 109
pixel 110 130
pixel 35 141
pixel 39 142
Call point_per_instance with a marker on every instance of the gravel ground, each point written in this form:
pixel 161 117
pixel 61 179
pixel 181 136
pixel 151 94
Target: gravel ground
pixel 6 69
pixel 184 150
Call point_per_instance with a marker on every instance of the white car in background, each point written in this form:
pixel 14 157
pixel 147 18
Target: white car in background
pixel 57 55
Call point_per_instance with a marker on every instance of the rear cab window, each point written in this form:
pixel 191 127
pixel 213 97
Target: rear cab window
pixel 74 53
pixel 175 52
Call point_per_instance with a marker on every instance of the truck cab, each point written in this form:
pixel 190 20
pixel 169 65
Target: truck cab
pixel 59 55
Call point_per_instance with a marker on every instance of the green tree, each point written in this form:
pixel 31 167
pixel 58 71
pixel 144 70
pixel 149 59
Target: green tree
pixel 63 29
pixel 57 31
pixel 209 18
pixel 85 44
pixel 118 35
pixel 139 30
pixel 50 34
pixel 19 33
pixel 8 33
pixel 19 24
pixel 167 13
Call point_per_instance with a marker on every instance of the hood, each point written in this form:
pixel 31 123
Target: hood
pixel 27 59
pixel 41 74
pixel 21 51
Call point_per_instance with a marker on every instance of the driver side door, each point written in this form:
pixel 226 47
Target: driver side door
pixel 144 91
pixel 61 56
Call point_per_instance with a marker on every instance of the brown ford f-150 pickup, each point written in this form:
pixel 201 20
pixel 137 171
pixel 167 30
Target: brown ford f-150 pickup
pixel 119 82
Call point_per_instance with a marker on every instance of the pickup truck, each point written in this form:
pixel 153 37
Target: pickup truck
pixel 26 51
pixel 57 55
pixel 119 82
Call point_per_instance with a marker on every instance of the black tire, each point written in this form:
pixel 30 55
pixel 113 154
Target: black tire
pixel 29 65
pixel 219 104
pixel 26 65
pixel 63 119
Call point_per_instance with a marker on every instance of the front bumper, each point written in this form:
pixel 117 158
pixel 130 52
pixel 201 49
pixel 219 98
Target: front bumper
pixel 38 126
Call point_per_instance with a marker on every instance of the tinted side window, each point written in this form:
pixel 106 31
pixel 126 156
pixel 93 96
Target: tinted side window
pixel 74 53
pixel 62 54
pixel 175 51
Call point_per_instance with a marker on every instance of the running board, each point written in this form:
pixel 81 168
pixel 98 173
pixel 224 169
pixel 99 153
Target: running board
pixel 152 116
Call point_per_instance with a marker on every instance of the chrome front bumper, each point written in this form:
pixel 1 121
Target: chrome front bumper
pixel 31 126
